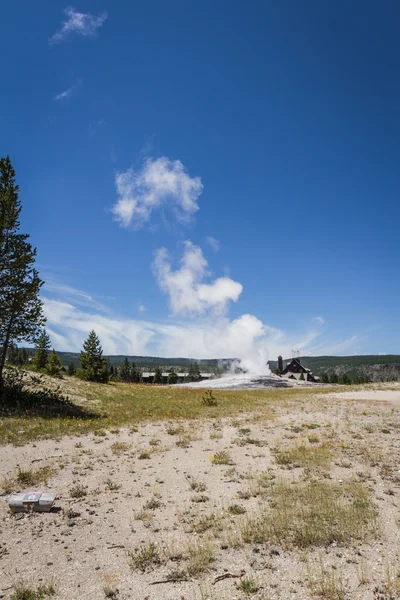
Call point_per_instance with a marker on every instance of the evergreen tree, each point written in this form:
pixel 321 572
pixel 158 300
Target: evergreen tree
pixel 325 378
pixel 194 372
pixel 71 370
pixel 345 380
pixel 333 378
pixel 125 370
pixel 172 377
pixel 21 314
pixel 54 365
pixel 157 375
pixel 42 346
pixel 93 365
pixel 134 373
pixel 24 356
pixel 12 355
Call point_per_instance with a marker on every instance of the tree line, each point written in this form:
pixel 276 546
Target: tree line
pixel 92 365
pixel 344 379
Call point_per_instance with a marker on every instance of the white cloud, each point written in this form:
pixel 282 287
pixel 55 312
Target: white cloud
pixel 141 308
pixel 246 337
pixel 65 94
pixel 213 243
pixel 77 23
pixel 188 294
pixel 332 347
pixel 160 182
pixel 319 320
pixel 67 293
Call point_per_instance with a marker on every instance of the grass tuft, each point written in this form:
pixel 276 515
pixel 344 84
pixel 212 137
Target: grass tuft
pixel 222 458
pixel 32 478
pixel 25 592
pixel 120 447
pixel 144 557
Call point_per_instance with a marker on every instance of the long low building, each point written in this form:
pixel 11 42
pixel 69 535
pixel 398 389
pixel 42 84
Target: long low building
pixel 147 377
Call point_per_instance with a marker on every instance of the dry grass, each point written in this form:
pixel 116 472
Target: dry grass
pixel 305 456
pixel 145 556
pixel 120 447
pixel 27 478
pixel 111 406
pixel 222 458
pixel 78 491
pixel 314 513
pixel 200 557
pixel 325 582
pixel 27 592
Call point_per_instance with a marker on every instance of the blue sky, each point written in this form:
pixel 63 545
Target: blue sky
pixel 209 178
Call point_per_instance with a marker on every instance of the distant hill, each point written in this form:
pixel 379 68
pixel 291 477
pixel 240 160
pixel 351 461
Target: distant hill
pixel 377 367
pixel 145 361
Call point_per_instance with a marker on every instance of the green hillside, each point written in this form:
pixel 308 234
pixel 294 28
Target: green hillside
pixel 322 363
pixel 143 361
pixel 374 367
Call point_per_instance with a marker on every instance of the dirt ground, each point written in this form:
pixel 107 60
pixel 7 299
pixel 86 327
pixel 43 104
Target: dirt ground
pixel 138 507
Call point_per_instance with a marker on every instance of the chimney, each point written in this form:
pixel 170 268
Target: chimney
pixel 280 364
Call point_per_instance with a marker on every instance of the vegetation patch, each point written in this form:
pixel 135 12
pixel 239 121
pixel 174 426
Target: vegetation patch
pixel 25 592
pixel 120 447
pixel 305 456
pixel 48 408
pixel 145 557
pixel 222 458
pixel 325 582
pixel 314 513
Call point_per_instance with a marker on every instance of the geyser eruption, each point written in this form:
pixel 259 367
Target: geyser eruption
pixel 255 364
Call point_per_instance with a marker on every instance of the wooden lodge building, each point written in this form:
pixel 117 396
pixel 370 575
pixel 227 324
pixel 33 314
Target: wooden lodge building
pixel 295 370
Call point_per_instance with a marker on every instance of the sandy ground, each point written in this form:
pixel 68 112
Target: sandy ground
pixel 382 395
pixel 83 548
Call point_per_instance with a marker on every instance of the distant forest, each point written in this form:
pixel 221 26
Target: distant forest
pixel 353 369
pixel 372 367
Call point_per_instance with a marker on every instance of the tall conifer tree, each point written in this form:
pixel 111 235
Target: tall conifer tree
pixel 93 365
pixel 42 347
pixel 21 314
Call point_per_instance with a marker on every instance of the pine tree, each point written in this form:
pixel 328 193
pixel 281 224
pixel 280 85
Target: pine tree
pixel 54 366
pixel 24 356
pixel 134 373
pixel 71 369
pixel 125 370
pixel 12 355
pixel 194 372
pixel 42 346
pixel 157 375
pixel 21 314
pixel 93 365
pixel 172 377
pixel 333 378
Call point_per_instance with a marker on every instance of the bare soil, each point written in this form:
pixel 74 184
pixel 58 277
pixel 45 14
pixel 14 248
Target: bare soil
pixel 121 492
